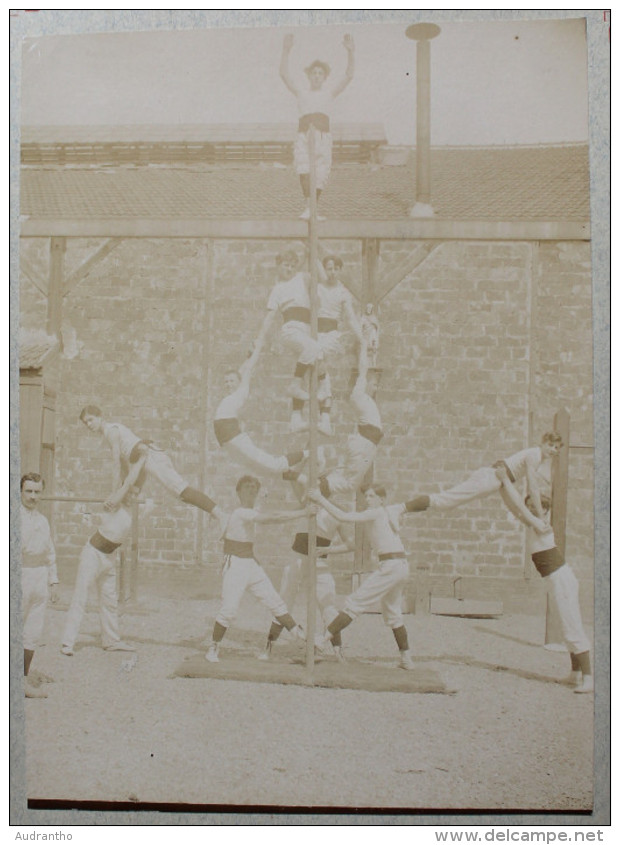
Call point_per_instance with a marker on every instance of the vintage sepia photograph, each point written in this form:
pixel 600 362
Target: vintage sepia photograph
pixel 304 469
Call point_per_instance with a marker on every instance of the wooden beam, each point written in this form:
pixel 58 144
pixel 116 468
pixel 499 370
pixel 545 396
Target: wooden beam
pixel 370 260
pixel 55 287
pixel 84 269
pixel 282 229
pixel 410 263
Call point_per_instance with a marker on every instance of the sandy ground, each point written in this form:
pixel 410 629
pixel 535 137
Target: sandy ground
pixel 116 727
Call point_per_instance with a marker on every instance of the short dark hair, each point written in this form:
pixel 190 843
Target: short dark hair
pixel 552 437
pixel 335 258
pixel 288 255
pixel 379 489
pixel 318 63
pixel 545 502
pixel 91 411
pixel 31 476
pixel 247 479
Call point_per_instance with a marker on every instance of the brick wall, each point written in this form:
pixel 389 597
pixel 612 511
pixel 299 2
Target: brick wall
pixel 563 378
pixel 454 396
pixel 477 344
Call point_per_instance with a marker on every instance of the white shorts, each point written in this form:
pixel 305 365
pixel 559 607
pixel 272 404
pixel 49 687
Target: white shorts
pixel 481 483
pixel 296 573
pixel 322 156
pixel 385 585
pixel 359 458
pixel 159 465
pixel 296 336
pixel 98 569
pixel 34 601
pixel 330 343
pixel 241 574
pixel 563 590
pixel 246 452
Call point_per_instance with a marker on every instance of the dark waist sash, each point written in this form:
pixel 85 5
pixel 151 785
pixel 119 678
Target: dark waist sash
pixel 297 313
pixel 548 561
pixel 507 468
pixel 327 324
pixel 392 556
pixel 370 432
pixel 238 548
pixel 102 544
pixel 226 429
pixel 317 119
pixel 134 455
pixel 300 544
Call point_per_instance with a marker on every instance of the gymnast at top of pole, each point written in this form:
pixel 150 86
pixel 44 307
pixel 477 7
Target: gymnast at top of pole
pixel 315 106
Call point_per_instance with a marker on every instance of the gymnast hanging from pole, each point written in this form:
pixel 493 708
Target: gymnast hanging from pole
pixel 236 443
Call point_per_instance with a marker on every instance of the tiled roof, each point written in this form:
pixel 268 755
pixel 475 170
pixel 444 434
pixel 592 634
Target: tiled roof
pixel 494 183
pixel 35 347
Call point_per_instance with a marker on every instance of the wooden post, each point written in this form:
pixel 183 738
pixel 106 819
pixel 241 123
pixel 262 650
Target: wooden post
pixel 207 334
pixel 559 498
pixel 561 424
pixel 134 556
pixel 422 600
pixel 30 413
pixel 313 414
pixel 56 286
pixel 370 257
pixel 123 576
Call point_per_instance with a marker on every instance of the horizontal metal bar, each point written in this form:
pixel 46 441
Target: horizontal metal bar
pixel 88 499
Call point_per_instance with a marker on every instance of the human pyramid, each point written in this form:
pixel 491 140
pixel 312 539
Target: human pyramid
pixel 136 459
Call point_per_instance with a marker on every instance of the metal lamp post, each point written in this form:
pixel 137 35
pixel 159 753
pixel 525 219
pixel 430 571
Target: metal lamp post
pixel 423 33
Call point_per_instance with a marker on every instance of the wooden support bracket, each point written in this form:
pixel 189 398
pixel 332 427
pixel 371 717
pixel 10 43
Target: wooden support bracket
pixel 396 275
pixel 84 269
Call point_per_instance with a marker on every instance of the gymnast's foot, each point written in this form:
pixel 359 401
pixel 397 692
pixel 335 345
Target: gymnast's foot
pixel 325 426
pixel 296 391
pixel 586 686
pixel 297 423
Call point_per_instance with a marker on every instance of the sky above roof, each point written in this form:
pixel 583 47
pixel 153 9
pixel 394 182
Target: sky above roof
pixel 491 82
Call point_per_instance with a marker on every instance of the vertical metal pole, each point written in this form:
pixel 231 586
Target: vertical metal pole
pixel 422 33
pixel 423 123
pixel 313 413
